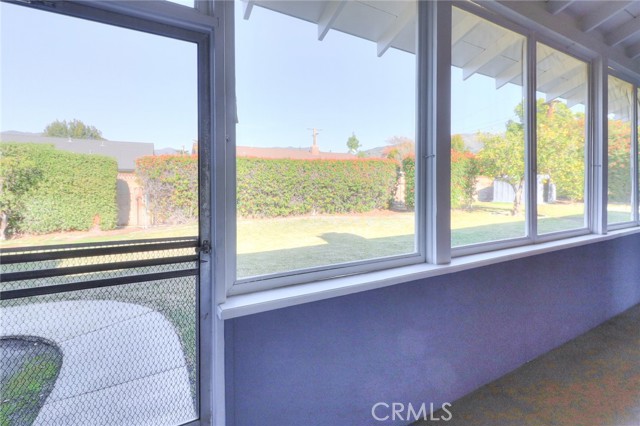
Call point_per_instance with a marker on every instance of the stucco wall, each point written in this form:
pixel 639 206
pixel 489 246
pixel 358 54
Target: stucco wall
pixel 328 362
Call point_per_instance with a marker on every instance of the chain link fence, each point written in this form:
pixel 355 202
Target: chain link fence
pixel 100 334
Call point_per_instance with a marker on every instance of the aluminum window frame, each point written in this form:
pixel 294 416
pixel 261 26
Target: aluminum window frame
pixel 635 165
pixel 179 22
pixel 532 38
pixel 428 17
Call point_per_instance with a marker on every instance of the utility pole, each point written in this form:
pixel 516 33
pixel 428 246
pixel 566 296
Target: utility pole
pixel 314 148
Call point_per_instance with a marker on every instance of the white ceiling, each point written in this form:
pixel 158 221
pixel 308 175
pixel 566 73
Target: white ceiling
pixel 617 23
pixel 479 47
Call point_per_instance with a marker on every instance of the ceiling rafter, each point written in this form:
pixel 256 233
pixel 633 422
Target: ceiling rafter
pixel 514 70
pixel 329 15
pixel 565 87
pixel 601 15
pixel 634 51
pixel 487 55
pixel 623 32
pixel 247 6
pixel 556 6
pixel 402 20
pixel 548 78
pixel 463 27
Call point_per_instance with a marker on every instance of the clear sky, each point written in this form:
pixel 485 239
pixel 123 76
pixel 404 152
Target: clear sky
pixel 131 85
pixel 139 87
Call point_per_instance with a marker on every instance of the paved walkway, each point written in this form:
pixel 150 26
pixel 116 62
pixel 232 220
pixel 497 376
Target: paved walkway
pixel 122 363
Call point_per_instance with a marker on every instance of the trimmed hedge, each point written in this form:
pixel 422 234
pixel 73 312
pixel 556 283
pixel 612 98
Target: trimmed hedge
pixel 284 187
pixel 72 191
pixel 170 185
pixel 270 187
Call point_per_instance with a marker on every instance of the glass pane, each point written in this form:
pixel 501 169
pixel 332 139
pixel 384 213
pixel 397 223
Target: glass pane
pixel 487 141
pixel 620 160
pixel 113 114
pixel 97 156
pixel 325 135
pixel 189 3
pixel 562 90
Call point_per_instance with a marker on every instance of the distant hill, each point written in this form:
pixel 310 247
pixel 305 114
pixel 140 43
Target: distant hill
pixel 167 151
pixel 471 142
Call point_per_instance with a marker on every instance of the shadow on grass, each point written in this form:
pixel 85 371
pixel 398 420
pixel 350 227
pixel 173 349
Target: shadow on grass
pixel 347 247
pixel 340 248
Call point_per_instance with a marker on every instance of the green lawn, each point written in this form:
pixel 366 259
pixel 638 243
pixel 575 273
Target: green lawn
pixel 27 375
pixel 283 244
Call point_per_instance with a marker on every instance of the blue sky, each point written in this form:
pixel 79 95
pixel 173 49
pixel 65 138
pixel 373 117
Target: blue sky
pixel 139 87
pixel 131 85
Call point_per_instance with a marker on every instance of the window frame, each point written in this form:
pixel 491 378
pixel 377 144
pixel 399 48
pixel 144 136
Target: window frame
pixel 532 38
pixel 433 214
pixel 635 166
pixel 424 167
pixel 189 24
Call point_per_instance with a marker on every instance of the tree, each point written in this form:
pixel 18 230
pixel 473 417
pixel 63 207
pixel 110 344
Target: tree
pixel 353 144
pixel 503 158
pixel 74 129
pixel 560 151
pixel 457 143
pixel 399 147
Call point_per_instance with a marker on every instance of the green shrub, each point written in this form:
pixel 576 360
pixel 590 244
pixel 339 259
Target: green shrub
pixel 69 191
pixel 170 185
pixel 284 187
pixel 464 174
pixel 620 176
pixel 409 168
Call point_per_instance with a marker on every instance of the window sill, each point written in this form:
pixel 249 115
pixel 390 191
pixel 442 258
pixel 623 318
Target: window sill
pixel 267 300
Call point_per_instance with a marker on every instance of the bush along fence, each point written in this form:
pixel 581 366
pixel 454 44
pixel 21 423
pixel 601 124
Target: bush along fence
pixel 49 190
pixel 170 185
pixel 283 187
pixel 271 187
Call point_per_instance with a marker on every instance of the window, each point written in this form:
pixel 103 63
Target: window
pixel 104 140
pixel 488 145
pixel 325 137
pixel 621 162
pixel 562 90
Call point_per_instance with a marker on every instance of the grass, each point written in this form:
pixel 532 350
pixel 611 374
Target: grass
pixel 282 244
pixel 27 380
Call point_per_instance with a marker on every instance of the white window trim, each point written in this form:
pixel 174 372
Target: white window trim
pixel 192 25
pixel 635 167
pixel 267 300
pixel 433 213
pixel 428 195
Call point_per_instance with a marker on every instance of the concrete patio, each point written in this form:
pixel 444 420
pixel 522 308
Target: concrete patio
pixel 123 364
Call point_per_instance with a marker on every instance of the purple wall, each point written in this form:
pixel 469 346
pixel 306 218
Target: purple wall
pixel 328 362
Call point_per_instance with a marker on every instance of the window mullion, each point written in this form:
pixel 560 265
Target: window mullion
pixel 531 165
pixel 599 144
pixel 436 102
pixel 635 197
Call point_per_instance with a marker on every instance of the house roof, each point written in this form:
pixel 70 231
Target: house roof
pixel 125 153
pixel 290 153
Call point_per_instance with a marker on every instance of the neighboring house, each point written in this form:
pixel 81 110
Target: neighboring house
pixel 312 153
pixel 131 207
